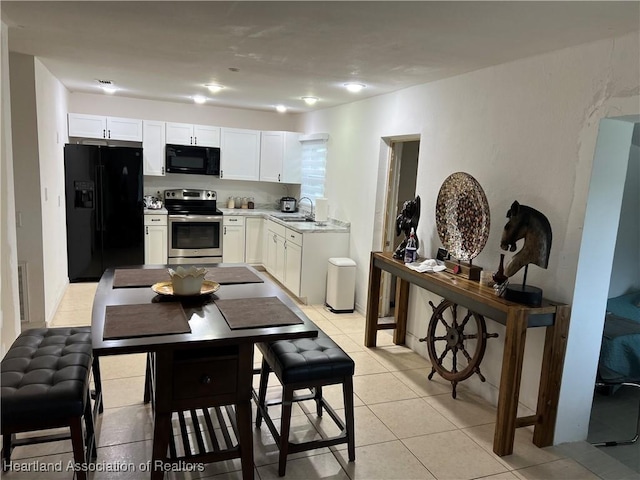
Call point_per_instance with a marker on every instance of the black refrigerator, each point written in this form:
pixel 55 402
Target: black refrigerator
pixel 104 197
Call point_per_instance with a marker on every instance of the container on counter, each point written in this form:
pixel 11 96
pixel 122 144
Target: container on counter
pixel 238 202
pixel 245 202
pixel 231 203
pixel 251 203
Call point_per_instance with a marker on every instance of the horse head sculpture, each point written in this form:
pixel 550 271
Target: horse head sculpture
pixel 528 223
pixel 407 219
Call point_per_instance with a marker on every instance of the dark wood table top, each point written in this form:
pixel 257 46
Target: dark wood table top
pixel 208 326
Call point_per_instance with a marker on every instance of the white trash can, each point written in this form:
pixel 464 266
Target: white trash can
pixel 341 285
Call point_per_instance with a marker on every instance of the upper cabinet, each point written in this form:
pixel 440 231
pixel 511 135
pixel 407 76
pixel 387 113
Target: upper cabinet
pixel 280 157
pixel 153 141
pixel 188 134
pixel 239 154
pixel 113 128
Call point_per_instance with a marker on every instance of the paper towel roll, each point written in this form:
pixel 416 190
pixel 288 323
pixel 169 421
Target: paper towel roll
pixel 322 209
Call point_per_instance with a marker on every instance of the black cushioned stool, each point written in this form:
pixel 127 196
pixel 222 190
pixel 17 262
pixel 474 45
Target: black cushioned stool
pixel 45 384
pixel 300 364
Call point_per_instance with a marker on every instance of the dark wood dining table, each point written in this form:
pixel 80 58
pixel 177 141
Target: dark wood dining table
pixel 203 376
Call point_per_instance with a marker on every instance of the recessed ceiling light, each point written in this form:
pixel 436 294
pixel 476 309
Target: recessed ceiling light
pixel 354 87
pixel 281 108
pixel 310 100
pixel 199 99
pixel 214 88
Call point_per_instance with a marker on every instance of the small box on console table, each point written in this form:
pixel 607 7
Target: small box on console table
pixel 463 269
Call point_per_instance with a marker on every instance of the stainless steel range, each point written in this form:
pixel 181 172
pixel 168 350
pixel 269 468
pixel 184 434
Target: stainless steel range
pixel 195 226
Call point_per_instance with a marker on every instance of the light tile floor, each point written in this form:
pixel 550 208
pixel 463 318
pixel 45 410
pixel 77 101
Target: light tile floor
pixel 407 427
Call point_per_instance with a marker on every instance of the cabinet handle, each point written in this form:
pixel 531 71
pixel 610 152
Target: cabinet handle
pixel 206 380
pixel 225 230
pixel 147 230
pixel 278 177
pixel 195 140
pixel 104 133
pixel 221 174
pixel 163 170
pixel 190 140
pixel 155 219
pixel 109 132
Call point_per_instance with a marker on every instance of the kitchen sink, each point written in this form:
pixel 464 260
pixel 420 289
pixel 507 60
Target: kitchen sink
pixel 295 219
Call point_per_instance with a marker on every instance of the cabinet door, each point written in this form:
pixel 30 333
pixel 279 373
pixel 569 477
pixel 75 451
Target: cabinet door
pixel 233 244
pixel 179 133
pixel 87 126
pixel 253 240
pixel 206 136
pixel 271 155
pixel 240 154
pixel 155 245
pixel 129 129
pixel 153 141
pixel 270 252
pixel 292 267
pixel 280 265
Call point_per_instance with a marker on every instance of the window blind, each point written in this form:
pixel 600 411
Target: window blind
pixel 314 161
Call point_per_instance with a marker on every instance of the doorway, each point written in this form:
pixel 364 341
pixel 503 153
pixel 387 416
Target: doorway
pixel 401 186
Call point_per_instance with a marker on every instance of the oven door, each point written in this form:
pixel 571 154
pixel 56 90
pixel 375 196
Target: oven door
pixel 195 236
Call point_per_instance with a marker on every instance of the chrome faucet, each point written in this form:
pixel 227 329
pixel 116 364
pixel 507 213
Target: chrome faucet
pixel 311 215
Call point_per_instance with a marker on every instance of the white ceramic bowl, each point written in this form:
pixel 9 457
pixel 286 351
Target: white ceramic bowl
pixel 187 282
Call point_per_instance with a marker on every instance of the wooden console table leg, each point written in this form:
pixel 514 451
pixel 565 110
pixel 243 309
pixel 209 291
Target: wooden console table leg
pixel 401 310
pixel 371 328
pixel 555 345
pixel 515 337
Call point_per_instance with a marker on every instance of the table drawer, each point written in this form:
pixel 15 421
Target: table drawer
pixel 205 377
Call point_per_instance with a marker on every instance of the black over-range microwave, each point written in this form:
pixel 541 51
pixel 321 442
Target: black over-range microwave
pixel 192 160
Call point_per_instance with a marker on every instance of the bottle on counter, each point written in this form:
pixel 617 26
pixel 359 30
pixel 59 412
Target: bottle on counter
pixel 231 203
pixel 245 202
pixel 251 204
pixel 238 202
pixel 411 251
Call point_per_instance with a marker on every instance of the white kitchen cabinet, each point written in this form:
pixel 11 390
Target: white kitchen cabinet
pixel 189 134
pixel 233 239
pixel 254 233
pixel 299 261
pixel 280 157
pixel 155 239
pixel 153 142
pixel 239 154
pixel 292 263
pixel 97 126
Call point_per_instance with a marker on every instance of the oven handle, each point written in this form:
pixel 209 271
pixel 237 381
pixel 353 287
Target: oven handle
pixel 213 218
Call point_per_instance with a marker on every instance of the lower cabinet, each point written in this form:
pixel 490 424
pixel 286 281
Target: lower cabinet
pixel 233 239
pixel 155 239
pixel 254 233
pixel 299 261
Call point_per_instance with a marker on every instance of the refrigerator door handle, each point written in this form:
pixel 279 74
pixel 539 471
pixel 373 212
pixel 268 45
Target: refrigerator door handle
pixel 100 176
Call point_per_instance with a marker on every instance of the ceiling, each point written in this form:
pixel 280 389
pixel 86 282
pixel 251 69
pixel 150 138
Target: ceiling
pixel 268 53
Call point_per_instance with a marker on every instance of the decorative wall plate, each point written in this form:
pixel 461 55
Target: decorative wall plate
pixel 462 216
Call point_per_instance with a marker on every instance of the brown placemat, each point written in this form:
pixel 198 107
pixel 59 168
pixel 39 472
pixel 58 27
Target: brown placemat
pixel 231 275
pixel 145 277
pixel 139 277
pixel 256 312
pixel 129 321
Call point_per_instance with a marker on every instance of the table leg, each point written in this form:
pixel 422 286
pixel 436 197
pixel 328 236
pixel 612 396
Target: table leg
pixel 555 345
pixel 401 310
pixel 161 432
pixel 243 410
pixel 371 328
pixel 512 358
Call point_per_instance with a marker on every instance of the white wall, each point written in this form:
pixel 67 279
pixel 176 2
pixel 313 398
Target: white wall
pixel 9 308
pixel 625 275
pixel 51 105
pixel 27 181
pixel 525 130
pixel 117 106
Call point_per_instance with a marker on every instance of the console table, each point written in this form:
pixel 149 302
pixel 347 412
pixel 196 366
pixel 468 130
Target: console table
pixel 517 318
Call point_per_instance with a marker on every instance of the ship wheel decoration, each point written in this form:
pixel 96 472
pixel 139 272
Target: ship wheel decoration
pixel 456 343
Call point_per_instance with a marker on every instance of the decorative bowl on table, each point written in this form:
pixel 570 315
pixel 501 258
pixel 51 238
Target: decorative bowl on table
pixel 187 281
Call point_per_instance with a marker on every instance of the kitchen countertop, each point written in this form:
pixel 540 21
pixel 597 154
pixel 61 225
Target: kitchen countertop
pixel 155 211
pixel 332 225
